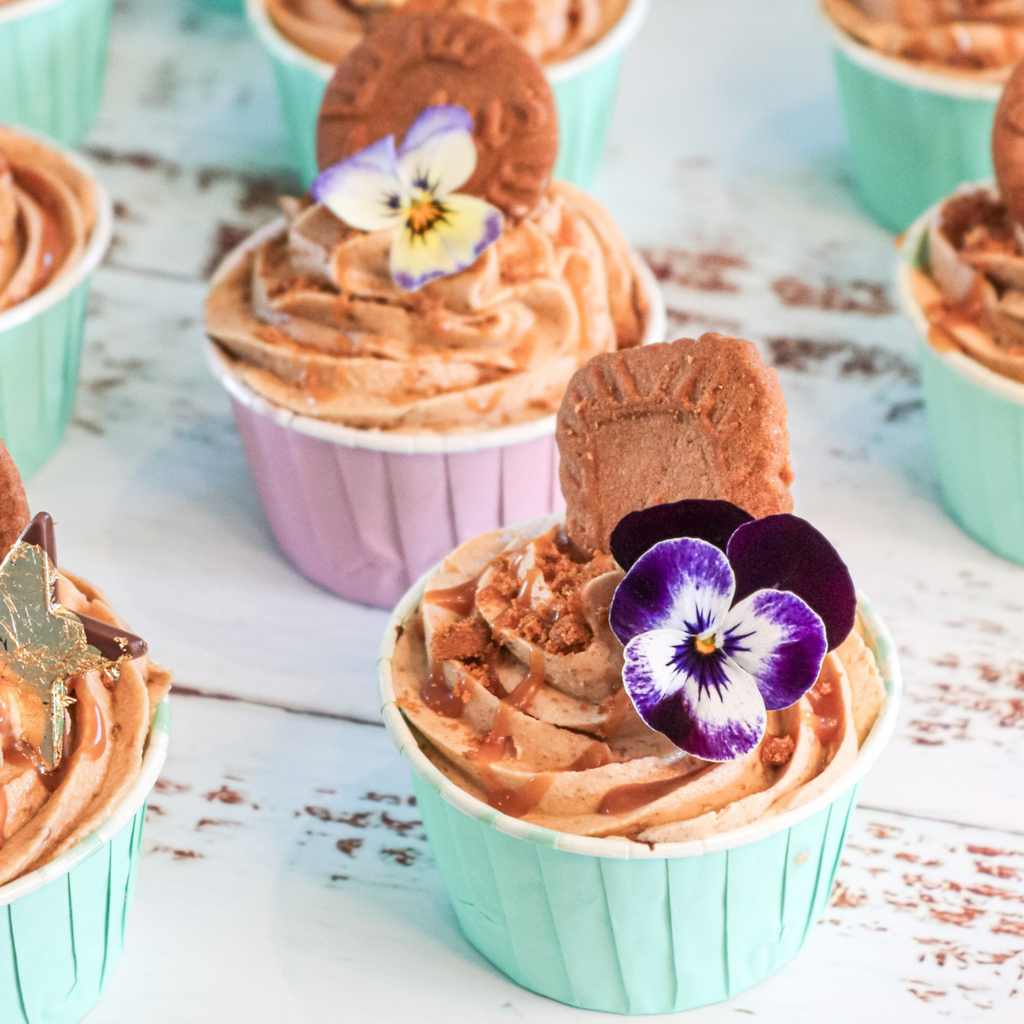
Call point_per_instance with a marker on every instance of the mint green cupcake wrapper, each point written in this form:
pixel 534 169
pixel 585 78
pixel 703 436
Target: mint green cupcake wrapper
pixel 975 424
pixel 584 88
pixel 613 925
pixel 40 349
pixel 53 56
pixel 914 135
pixel 62 927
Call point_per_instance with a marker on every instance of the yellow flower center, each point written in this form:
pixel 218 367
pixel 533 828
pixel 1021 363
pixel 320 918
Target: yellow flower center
pixel 705 645
pixel 423 212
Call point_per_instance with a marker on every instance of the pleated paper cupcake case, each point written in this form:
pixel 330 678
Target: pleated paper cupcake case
pixel 62 927
pixel 53 57
pixel 914 135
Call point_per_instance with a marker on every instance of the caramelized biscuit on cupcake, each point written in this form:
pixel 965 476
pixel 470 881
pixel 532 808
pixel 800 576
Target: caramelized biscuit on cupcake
pixel 381 88
pixel 698 418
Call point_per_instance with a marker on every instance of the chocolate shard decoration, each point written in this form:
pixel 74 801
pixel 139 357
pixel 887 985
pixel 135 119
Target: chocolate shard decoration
pixel 113 642
pixel 42 643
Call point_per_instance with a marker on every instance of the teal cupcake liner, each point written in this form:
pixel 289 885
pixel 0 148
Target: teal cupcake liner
pixel 584 88
pixel 53 58
pixel 40 349
pixel 618 926
pixel 975 424
pixel 62 927
pixel 914 135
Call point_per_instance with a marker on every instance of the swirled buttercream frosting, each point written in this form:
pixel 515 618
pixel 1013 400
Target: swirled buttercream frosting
pixel 47 215
pixel 550 30
pixel 982 38
pixel 43 814
pixel 511 678
pixel 312 321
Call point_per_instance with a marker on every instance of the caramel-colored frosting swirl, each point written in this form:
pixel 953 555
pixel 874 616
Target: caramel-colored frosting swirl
pixel 47 214
pixel 512 679
pixel 42 815
pixel 972 292
pixel 551 30
pixel 982 38
pixel 312 321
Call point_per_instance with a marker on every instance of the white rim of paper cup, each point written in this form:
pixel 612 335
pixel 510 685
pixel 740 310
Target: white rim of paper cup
pixel 960 362
pixel 152 763
pixel 959 86
pixel 616 38
pixel 878 640
pixel 395 441
pixel 102 232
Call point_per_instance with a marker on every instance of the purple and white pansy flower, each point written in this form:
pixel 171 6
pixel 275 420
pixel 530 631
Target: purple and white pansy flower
pixel 411 190
pixel 724 618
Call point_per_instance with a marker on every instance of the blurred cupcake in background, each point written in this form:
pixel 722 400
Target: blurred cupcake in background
pixel 396 347
pixel 918 82
pixel 580 43
pixel 53 58
pixel 55 226
pixel 962 283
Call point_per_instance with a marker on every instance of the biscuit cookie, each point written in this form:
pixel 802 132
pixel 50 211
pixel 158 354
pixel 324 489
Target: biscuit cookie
pixel 686 419
pixel 413 61
pixel 14 513
pixel 1008 143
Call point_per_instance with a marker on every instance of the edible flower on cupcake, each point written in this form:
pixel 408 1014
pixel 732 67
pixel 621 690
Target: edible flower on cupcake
pixel 668 676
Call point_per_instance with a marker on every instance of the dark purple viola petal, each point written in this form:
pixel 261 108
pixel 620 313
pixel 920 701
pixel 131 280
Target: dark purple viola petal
pixel 704 703
pixel 779 641
pixel 680 584
pixel 705 519
pixel 785 552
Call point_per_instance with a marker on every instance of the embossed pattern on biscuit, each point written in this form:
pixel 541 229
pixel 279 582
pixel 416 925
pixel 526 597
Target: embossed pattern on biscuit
pixel 420 60
pixel 14 511
pixel 692 418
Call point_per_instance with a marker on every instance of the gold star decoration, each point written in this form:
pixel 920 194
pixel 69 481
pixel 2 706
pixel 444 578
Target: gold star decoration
pixel 44 644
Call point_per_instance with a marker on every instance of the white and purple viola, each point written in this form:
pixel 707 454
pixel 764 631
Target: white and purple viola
pixel 724 617
pixel 411 191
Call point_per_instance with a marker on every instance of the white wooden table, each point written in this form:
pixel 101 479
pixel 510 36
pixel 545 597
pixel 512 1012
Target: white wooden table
pixel 285 876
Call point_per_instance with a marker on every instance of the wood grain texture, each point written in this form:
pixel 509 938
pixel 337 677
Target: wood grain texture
pixel 739 197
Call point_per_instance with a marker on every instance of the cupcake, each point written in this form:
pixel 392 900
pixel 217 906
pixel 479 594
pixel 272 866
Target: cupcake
pixel 636 732
pixel 396 347
pixel 53 56
pixel 55 226
pixel 962 282
pixel 581 45
pixel 84 736
pixel 918 82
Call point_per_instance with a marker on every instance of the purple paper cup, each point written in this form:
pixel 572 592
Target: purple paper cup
pixel 365 513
